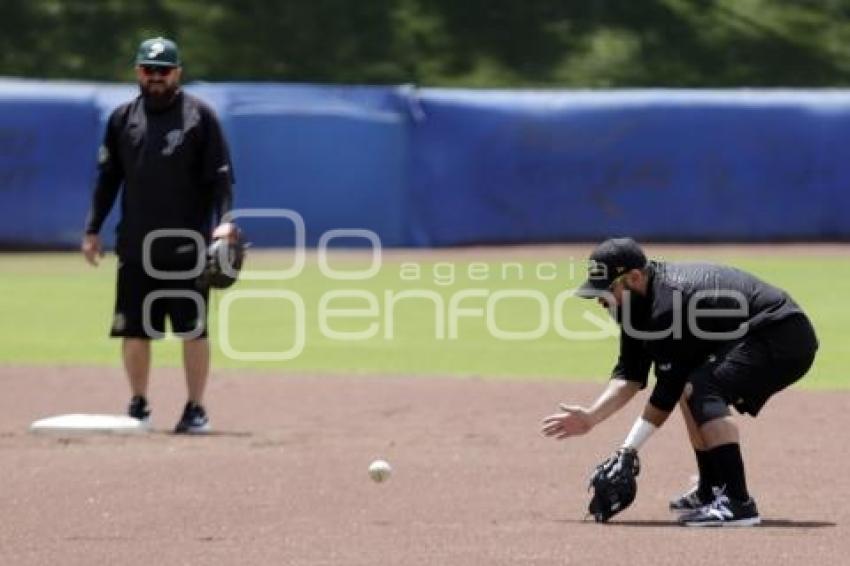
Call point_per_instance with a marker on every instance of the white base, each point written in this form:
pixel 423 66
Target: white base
pixel 81 423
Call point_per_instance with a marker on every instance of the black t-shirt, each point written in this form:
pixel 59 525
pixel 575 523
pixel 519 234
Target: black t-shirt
pixel 681 320
pixel 176 172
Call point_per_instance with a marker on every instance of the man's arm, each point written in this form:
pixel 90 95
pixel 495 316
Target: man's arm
pixel 668 389
pixel 574 420
pixel 645 425
pixel 109 179
pixel 629 376
pixel 217 168
pixel 654 415
pixel 616 395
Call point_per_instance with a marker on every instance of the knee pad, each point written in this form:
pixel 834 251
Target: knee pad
pixel 705 402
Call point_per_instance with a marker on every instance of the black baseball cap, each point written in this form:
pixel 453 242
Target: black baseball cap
pixel 609 260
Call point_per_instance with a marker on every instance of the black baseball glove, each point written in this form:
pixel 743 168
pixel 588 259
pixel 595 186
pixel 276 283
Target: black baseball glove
pixel 613 484
pixel 224 260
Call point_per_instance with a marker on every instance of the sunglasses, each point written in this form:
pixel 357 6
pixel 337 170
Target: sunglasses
pixel 151 70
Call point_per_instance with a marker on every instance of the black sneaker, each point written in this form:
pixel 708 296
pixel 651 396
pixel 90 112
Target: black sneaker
pixel 689 501
pixel 193 421
pixel 139 410
pixel 723 512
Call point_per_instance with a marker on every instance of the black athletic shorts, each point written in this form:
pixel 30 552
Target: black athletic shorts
pixel 748 372
pixel 143 302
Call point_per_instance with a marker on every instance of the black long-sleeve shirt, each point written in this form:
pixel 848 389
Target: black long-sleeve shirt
pixel 728 298
pixel 174 166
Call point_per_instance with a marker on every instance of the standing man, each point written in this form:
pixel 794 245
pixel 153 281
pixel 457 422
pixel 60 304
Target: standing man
pixel 718 337
pixel 167 150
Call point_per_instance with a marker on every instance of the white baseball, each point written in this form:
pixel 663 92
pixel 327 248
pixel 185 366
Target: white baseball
pixel 380 471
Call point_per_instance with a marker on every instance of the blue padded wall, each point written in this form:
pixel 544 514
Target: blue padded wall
pixel 48 143
pixel 674 165
pixel 436 167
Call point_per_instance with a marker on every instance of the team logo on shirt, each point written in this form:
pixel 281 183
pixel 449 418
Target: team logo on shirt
pixel 102 155
pixel 173 139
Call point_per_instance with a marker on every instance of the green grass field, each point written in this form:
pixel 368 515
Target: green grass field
pixel 54 309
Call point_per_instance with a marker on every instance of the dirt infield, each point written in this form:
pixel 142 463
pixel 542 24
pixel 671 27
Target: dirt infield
pixel 284 481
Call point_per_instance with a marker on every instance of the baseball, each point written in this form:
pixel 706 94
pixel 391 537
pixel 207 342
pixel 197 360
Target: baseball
pixel 380 471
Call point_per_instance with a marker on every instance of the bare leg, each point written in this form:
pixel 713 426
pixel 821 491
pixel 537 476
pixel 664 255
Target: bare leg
pixel 196 361
pixel 720 431
pixel 136 353
pixel 693 430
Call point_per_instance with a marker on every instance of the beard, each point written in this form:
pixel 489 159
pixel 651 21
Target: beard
pixel 629 302
pixel 160 99
pixel 616 312
pixel 633 311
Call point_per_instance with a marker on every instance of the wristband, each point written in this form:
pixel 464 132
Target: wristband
pixel 641 431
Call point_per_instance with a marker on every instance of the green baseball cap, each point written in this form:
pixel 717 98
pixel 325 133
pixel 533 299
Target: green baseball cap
pixel 158 51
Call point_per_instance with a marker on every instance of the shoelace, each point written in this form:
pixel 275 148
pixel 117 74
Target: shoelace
pixel 721 501
pixel 720 504
pixel 693 496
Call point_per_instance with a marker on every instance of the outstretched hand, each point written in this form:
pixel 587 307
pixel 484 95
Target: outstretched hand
pixel 573 420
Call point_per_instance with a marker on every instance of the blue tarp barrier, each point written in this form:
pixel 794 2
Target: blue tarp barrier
pixel 335 155
pixel 672 165
pixel 438 167
pixel 48 142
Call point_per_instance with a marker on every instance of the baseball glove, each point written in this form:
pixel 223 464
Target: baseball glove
pixel 613 484
pixel 224 260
